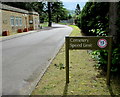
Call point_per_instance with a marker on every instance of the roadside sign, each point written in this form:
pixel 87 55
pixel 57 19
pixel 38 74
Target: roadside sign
pixel 102 43
pixel 89 43
pixel 93 43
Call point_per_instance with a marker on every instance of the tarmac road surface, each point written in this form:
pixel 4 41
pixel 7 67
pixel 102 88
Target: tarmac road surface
pixel 25 58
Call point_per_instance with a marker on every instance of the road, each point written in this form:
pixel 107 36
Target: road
pixel 25 58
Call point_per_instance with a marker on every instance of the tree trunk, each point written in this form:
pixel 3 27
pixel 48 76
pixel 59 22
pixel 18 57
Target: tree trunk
pixel 49 15
pixel 113 16
pixel 57 19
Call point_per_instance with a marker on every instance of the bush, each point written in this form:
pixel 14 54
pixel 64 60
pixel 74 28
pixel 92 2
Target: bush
pixel 5 33
pixel 25 30
pixel 19 30
pixel 93 20
pixel 102 58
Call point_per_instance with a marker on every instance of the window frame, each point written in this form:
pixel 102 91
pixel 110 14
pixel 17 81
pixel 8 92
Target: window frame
pixel 12 20
pixel 16 21
pixel 20 21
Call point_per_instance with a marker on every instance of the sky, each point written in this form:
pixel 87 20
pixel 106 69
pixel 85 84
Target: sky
pixel 71 4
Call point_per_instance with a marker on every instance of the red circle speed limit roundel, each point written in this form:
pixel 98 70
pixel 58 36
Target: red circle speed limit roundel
pixel 102 43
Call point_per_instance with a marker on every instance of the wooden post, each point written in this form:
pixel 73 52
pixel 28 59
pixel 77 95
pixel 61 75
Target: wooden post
pixel 109 61
pixel 67 58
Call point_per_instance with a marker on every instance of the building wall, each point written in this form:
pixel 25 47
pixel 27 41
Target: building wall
pixel 34 21
pixel 31 21
pixel 7 25
pixel 15 19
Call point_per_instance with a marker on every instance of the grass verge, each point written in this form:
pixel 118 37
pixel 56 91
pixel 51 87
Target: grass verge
pixel 45 24
pixel 64 23
pixel 84 78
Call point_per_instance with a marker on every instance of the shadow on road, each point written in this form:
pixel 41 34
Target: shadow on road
pixel 50 28
pixel 59 27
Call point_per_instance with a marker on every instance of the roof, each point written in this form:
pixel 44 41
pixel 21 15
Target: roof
pixel 10 8
pixel 34 13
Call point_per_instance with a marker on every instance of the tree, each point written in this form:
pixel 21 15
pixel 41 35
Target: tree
pixel 49 15
pixel 69 16
pixel 77 13
pixel 103 19
pixel 40 8
pixel 93 20
pixel 113 17
pixel 56 12
pixel 77 10
pixel 59 12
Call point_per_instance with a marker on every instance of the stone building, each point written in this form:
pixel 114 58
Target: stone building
pixel 18 20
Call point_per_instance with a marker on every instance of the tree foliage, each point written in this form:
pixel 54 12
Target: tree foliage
pixel 59 12
pixel 77 13
pixel 94 20
pixel 77 10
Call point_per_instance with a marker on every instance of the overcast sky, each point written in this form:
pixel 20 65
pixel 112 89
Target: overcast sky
pixel 74 0
pixel 71 4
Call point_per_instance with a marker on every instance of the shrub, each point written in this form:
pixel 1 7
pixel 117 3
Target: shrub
pixel 19 30
pixel 94 21
pixel 5 33
pixel 93 18
pixel 102 58
pixel 25 30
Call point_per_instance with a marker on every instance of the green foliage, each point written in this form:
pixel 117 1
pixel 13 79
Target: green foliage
pixel 77 10
pixel 102 57
pixel 60 66
pixel 77 13
pixel 59 12
pixel 93 20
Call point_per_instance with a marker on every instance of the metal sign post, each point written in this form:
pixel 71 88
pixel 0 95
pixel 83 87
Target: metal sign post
pixel 86 43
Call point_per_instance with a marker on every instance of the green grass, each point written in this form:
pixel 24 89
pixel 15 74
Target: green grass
pixel 64 23
pixel 44 24
pixel 84 78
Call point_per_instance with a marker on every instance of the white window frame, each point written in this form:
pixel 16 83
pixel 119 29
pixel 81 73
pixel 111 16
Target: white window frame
pixel 12 21
pixel 17 21
pixel 20 21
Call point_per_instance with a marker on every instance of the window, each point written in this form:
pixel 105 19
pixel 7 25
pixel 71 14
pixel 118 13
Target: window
pixel 12 20
pixel 16 21
pixel 35 21
pixel 20 20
